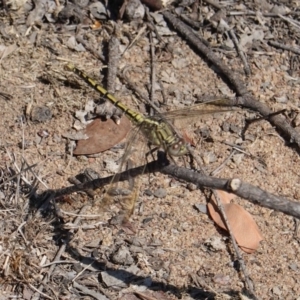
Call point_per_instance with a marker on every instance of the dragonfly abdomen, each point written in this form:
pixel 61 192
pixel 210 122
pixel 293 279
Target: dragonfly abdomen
pixel 135 117
pixel 157 131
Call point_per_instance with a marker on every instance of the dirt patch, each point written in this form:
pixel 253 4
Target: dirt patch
pixel 169 252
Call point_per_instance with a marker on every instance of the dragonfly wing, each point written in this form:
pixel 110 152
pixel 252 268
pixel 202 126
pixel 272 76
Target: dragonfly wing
pixel 209 107
pixel 124 193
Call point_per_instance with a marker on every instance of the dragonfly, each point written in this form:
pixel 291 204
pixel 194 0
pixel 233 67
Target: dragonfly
pixel 157 130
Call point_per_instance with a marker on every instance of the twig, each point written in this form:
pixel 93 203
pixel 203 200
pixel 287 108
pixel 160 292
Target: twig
pixel 6 96
pixel 240 52
pixel 39 292
pixel 244 190
pixel 17 174
pixel 253 13
pixel 226 221
pixel 89 292
pixel 113 62
pixel 59 262
pixel 140 33
pixel 136 90
pixel 112 66
pixel 58 255
pixel 21 233
pixel 82 271
pixel 152 27
pixel 245 99
pixel 153 73
pixel 189 21
pixel 234 243
pixel 291 21
pixel 87 46
pixel 218 169
pixel 285 47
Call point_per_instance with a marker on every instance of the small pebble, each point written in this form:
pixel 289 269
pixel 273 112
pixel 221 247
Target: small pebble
pixel 281 99
pixel 122 256
pixel 215 243
pixel 98 10
pixel 234 128
pixel 237 158
pixel 204 132
pixel 276 290
pixel 201 208
pixel 293 266
pixel 225 126
pixel 221 279
pixel 208 157
pixel 163 215
pixel 191 187
pixel 148 192
pixel 41 114
pixel 134 10
pixel 147 220
pixel 160 193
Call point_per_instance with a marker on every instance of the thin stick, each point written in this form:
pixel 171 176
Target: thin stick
pixel 226 221
pixel 246 99
pixel 285 47
pixel 57 256
pixel 113 61
pixel 86 45
pixel 136 90
pixel 291 21
pixel 248 281
pixel 89 292
pixel 240 52
pixel 153 73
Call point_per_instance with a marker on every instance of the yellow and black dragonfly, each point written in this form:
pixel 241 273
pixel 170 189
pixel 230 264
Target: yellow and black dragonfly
pixel 157 130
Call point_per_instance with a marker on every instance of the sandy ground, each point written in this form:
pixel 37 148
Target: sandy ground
pixel 170 252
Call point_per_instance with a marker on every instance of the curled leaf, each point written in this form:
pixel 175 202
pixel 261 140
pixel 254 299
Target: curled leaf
pixel 243 226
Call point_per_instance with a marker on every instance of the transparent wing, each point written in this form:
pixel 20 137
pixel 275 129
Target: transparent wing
pixel 208 107
pixel 124 193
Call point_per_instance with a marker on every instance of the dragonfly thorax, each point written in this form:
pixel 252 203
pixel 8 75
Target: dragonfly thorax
pixel 160 133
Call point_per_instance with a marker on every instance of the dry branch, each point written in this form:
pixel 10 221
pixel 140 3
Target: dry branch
pixel 246 99
pixel 244 190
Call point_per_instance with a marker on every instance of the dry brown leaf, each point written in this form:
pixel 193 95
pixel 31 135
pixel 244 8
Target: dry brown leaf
pixel 102 136
pixel 243 226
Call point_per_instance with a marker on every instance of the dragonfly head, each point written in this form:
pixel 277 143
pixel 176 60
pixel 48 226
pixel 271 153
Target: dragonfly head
pixel 178 148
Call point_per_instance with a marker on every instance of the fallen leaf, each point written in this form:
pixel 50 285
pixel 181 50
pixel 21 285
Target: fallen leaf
pixel 102 135
pixel 243 226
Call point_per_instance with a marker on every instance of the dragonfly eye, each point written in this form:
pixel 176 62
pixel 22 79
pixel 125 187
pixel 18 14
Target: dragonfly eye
pixel 179 148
